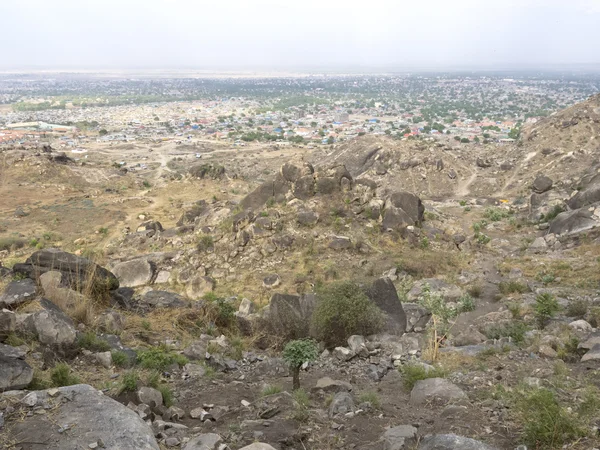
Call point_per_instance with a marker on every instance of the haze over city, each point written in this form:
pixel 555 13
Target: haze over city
pixel 336 34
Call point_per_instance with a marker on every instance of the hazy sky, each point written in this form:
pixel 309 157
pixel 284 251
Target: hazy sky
pixel 210 34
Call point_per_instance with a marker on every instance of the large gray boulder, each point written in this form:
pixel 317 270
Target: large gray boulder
pixel 78 273
pixel 14 373
pixel 290 315
pixel 134 273
pixel 435 390
pixel 341 404
pixel 18 292
pixel 451 442
pixel 402 209
pixel 90 417
pixel 588 195
pixel 571 222
pixel 208 441
pixel 541 184
pixel 383 293
pixel 50 325
pixel 258 446
pixel 163 299
pixel 7 323
pixel 199 286
pixel 401 437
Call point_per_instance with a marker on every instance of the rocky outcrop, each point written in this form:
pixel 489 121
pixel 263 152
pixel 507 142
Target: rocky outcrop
pixel 18 292
pixel 49 325
pixel 541 184
pixel 383 294
pixel 402 209
pixel 14 372
pixel 134 273
pixel 290 315
pixel 571 222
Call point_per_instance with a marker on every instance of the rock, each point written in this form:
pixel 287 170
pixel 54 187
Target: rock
pixel 194 370
pixel 98 418
pixel 330 385
pixel 14 373
pixel 290 315
pixel 358 345
pixel 342 403
pixel 163 299
pixel 76 271
pixel 271 281
pixel 209 441
pixel 7 323
pixel 290 172
pixel 433 390
pixel 417 317
pixel 134 273
pixel 304 187
pixel 571 222
pixel 50 280
pixel 541 184
pixel 105 359
pixel 451 442
pixel 469 337
pixel 593 354
pixel 150 225
pixel 246 307
pixel 50 325
pixel 196 351
pixel 581 325
pixel 340 243
pixel 13 352
pixel 538 245
pixel 383 293
pixel 307 217
pixel 258 446
pixel 111 322
pixel 483 163
pixel 343 353
pixel 18 292
pixel 590 341
pixel 199 286
pixel 149 396
pixel 589 195
pixel 402 209
pixel 402 437
pixel 547 351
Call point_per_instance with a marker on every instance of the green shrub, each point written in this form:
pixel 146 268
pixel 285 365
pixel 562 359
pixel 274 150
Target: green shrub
pixel 130 381
pixel 61 376
pixel 119 358
pixel 271 389
pixel 13 340
pixel 11 243
pixel 343 310
pixel 167 394
pixel 577 309
pixel 411 373
pixel 510 287
pixel 90 341
pixel 551 215
pixel 205 242
pixel 298 352
pixel 424 244
pixel 159 358
pixel 370 397
pixel 475 290
pixel 146 325
pixel 546 306
pixel 495 214
pixel 466 303
pixel 515 330
pixel 546 424
pixel 38 382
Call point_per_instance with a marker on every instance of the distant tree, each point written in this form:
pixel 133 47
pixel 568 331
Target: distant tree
pixel 296 353
pixel 330 140
pixel 457 138
pixel 361 133
pixel 465 140
pixel 313 124
pixel 476 139
pixel 102 132
pixel 388 132
pixel 417 119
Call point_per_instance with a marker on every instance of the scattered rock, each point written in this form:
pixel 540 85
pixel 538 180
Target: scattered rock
pixel 435 390
pixel 134 273
pixel 342 403
pixel 149 396
pixel 399 438
pixel 541 184
pixel 18 292
pixel 14 373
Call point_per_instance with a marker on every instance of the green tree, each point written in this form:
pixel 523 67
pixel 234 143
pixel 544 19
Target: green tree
pixel 330 140
pixel 102 132
pixel 546 306
pixel 297 353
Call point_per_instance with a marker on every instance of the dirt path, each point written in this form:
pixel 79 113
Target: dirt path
pixel 462 190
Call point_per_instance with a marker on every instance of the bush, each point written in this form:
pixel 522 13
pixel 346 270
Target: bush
pixel 271 389
pixel 370 397
pixel 577 309
pixel 61 376
pixel 510 287
pixel 515 330
pixel 205 242
pixel 343 310
pixel 159 358
pixel 119 358
pixel 411 373
pixel 546 424
pixel 91 342
pixel 167 394
pixel 296 353
pixel 495 214
pixel 11 243
pixel 546 306
pixel 130 381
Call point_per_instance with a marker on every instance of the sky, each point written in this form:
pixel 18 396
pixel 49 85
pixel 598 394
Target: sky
pixel 249 34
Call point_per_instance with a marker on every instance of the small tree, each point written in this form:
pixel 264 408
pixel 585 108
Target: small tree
pixel 546 307
pixel 297 353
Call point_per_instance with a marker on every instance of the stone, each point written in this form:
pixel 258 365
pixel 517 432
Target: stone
pixel 258 446
pixel 343 353
pixel 434 390
pixel 162 277
pixel 451 442
pixel 50 280
pixel 290 315
pixel 417 317
pixel 340 243
pixel 199 286
pixel 111 322
pixel 76 271
pixel 98 418
pixel 329 385
pixel 402 437
pixel 581 325
pixel 271 281
pixel 149 396
pixel 541 184
pixel 194 370
pixel 209 441
pixel 593 354
pixel 342 403
pixel 470 336
pixel 134 273
pixel 304 187
pixel 13 352
pixel 196 351
pixel 14 373
pixel 538 245
pixel 402 209
pixel 572 222
pixel 547 351
pixel 383 294
pixel 18 292
pixel 50 325
pixel 590 341
pixel 7 323
pixel 246 307
pixel 105 359
pixel 163 299
pixel 307 217
pixel 358 345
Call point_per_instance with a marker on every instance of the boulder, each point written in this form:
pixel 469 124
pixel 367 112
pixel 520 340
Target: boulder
pixel 307 217
pixel 304 187
pixel 290 172
pixel 196 351
pixel 340 243
pixel 541 184
pixel 593 354
pixel 271 281
pixel 13 352
pixel 358 345
pixel 149 396
pixel 341 404
pixel 199 286
pixel 94 417
pixel 134 273
pixel 329 385
pixel 589 195
pixel 14 373
pixel 163 299
pixel 451 442
pixel 402 437
pixel 7 323
pixel 571 222
pixel 50 325
pixel 435 390
pixel 77 272
pixel 111 322
pixel 18 292
pixel 290 315
pixel 417 317
pixel 258 446
pixel 383 293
